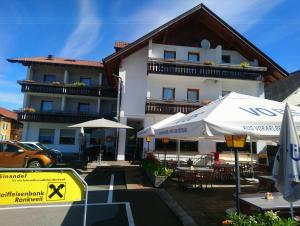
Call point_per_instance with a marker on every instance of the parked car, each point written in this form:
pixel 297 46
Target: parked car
pixel 18 155
pixel 42 147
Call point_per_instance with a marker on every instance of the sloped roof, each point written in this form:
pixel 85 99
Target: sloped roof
pixel 275 71
pixel 56 61
pixel 8 114
pixel 281 89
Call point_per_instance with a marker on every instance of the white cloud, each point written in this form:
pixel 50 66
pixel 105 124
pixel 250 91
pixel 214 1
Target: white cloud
pixel 82 40
pixel 242 15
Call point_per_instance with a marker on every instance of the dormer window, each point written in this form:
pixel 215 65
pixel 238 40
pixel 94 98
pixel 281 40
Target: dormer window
pixel 193 57
pixel 169 55
pixel 226 59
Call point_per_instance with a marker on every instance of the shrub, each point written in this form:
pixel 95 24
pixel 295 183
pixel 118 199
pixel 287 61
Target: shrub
pixel 189 162
pixel 153 166
pixel 268 218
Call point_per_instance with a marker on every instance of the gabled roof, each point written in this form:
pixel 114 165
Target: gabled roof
pixel 51 60
pixel 283 88
pixel 8 114
pixel 275 71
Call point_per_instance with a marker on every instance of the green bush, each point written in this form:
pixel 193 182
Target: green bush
pixel 79 84
pixel 268 218
pixel 153 166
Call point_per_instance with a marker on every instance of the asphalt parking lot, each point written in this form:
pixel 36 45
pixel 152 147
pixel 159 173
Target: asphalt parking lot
pixel 109 204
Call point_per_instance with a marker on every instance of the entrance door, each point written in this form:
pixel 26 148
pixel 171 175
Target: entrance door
pixel 133 149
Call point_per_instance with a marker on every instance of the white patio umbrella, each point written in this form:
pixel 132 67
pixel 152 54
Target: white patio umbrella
pixel 234 114
pixel 150 130
pixel 100 123
pixel 286 169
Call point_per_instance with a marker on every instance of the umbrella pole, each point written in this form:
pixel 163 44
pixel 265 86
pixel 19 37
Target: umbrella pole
pixel 251 150
pixel 237 181
pixel 292 210
pixel 178 153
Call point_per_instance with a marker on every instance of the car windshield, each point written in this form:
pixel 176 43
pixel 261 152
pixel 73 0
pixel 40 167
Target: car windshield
pixel 44 147
pixel 25 146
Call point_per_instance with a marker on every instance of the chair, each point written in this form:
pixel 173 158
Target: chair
pixel 189 179
pixel 205 178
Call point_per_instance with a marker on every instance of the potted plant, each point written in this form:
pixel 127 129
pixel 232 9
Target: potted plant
pixel 189 162
pixel 244 64
pixel 29 110
pixel 56 83
pixel 29 81
pixel 156 172
pixel 79 84
pixel 209 62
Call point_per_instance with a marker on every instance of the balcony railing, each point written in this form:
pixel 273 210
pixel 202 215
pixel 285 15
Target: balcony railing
pixel 170 107
pixel 161 66
pixel 69 89
pixel 60 117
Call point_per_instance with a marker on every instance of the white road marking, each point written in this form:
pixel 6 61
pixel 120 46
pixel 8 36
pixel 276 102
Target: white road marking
pixel 60 205
pixel 111 189
pixel 129 214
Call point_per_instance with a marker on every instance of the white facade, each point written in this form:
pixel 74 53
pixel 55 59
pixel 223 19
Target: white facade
pixel 65 104
pixel 138 86
pixel 293 98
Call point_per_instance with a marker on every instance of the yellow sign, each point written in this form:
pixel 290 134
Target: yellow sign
pixel 235 141
pixel 148 139
pixel 39 187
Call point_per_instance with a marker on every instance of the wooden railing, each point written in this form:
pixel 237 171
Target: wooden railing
pixel 60 117
pixel 170 108
pixel 160 66
pixel 68 89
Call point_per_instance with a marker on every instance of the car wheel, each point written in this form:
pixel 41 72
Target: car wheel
pixel 35 164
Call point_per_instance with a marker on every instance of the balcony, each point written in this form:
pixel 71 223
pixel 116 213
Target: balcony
pixel 60 117
pixel 68 89
pixel 186 68
pixel 170 107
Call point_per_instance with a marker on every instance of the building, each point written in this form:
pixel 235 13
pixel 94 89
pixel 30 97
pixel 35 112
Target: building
pixel 285 90
pixel 59 92
pixel 180 66
pixel 10 127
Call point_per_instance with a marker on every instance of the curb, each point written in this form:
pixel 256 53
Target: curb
pixel 182 215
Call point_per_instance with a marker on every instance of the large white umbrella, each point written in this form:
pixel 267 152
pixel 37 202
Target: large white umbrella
pixel 234 114
pixel 101 123
pixel 150 130
pixel 286 169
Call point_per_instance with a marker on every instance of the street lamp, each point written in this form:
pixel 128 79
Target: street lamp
pixel 119 103
pixel 236 142
pixel 165 140
pixel 148 140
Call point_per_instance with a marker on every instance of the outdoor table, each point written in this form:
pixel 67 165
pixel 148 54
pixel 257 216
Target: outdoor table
pixel 266 183
pixel 256 202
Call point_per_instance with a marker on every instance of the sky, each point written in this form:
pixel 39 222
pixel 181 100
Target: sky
pixel 87 29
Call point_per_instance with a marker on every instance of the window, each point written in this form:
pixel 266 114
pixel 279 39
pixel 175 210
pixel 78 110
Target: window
pixel 83 107
pixel 185 146
pixel 49 78
pixel 9 148
pixel 169 55
pixel 86 81
pixel 193 57
pixel 224 93
pixel 226 59
pixel 3 137
pixel 46 136
pixel 192 95
pixel 168 94
pixel 67 136
pixel 46 105
pixel 4 126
